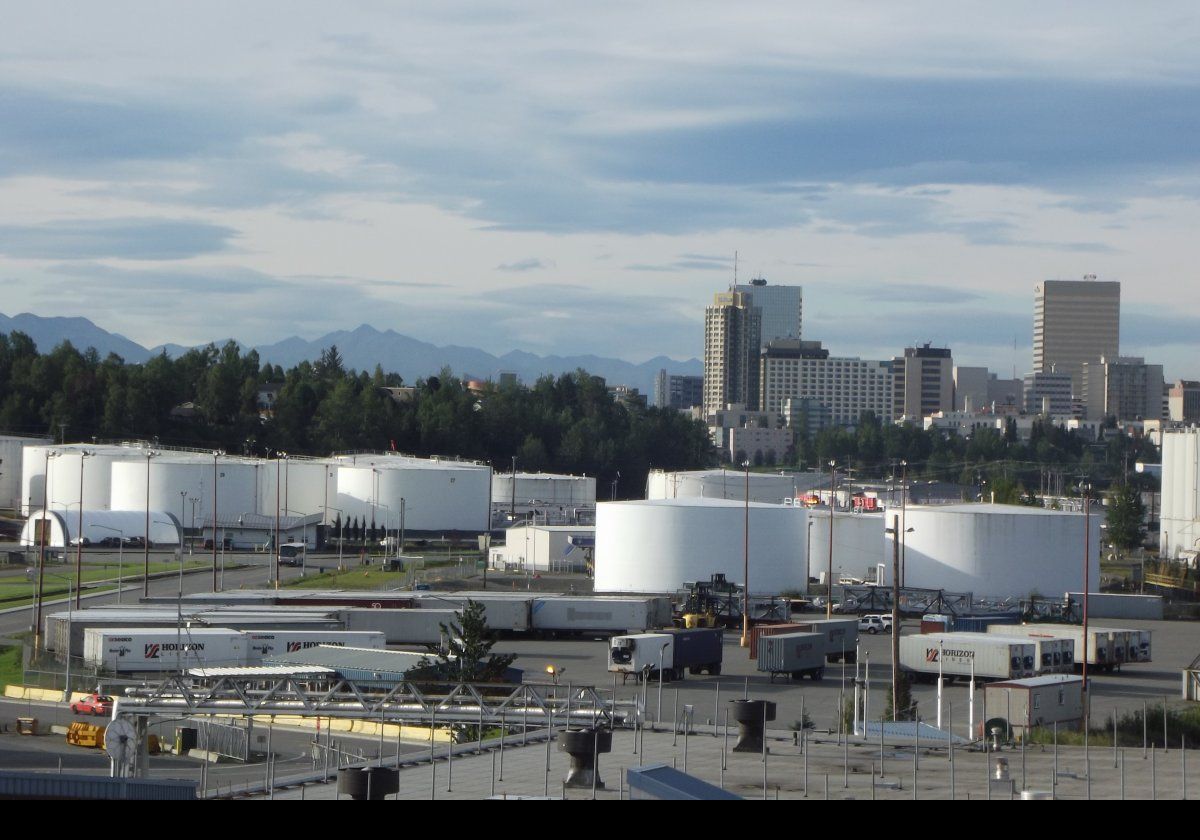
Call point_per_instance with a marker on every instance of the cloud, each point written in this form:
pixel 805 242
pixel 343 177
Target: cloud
pixel 132 239
pixel 530 264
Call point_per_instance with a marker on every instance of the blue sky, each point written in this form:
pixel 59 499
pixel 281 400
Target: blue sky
pixel 566 178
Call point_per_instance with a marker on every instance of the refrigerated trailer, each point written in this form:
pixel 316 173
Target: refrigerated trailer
pixel 675 651
pixel 964 654
pixel 1052 655
pixel 1107 648
pixel 266 643
pixel 565 616
pixel 796 654
pixel 402 627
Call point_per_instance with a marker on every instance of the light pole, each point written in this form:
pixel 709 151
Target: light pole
pixel 278 456
pixel 903 514
pixel 83 456
pixel 400 546
pixel 829 570
pixel 746 562
pixel 217 453
pixel 43 533
pixel 1085 488
pixel 182 519
pixel 192 540
pixel 341 529
pixel 897 534
pixel 662 652
pixel 120 556
pixel 150 453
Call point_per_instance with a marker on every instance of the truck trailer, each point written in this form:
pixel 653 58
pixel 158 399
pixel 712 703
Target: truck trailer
pixel 677 651
pixel 796 654
pixel 1052 655
pixel 146 650
pixel 266 643
pixel 963 654
pixel 567 616
pixel 1107 648
pixel 841 636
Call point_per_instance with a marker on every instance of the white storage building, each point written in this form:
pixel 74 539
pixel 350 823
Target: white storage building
pixel 658 545
pixel 544 548
pixel 1180 519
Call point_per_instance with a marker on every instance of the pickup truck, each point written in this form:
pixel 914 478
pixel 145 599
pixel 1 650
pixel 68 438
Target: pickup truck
pixel 93 704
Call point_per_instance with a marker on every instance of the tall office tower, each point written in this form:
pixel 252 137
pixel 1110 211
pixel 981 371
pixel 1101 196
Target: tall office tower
pixel 1048 393
pixel 922 382
pixel 782 308
pixel 792 370
pixel 1075 321
pixel 1125 388
pixel 732 326
pixel 672 391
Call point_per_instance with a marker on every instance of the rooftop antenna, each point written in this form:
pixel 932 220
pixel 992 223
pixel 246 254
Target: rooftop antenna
pixel 735 267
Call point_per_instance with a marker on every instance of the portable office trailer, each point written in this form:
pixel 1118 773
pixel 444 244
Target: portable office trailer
pixel 1038 701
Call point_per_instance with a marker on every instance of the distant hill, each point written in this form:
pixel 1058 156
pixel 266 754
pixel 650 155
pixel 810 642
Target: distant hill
pixel 363 348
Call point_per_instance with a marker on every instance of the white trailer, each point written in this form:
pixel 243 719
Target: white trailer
pixel 146 650
pixel 262 644
pixel 962 654
pixel 1107 648
pixel 1053 656
pixel 502 613
pixel 674 653
pixel 568 615
pixel 402 627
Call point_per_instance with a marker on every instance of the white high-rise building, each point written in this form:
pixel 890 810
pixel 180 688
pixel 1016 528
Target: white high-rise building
pixel 843 388
pixel 782 308
pixel 1074 322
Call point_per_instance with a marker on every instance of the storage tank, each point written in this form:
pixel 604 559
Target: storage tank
pixel 306 486
pixel 1001 551
pixel 63 477
pixel 658 545
pixel 544 488
pixel 438 495
pixel 14 490
pixel 857 543
pixel 176 479
pixel 770 488
pixel 1180 516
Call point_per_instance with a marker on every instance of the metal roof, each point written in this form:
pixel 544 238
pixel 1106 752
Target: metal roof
pixel 262 671
pixel 350 658
pixel 1038 682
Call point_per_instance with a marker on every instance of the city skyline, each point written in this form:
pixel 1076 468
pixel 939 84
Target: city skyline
pixel 578 179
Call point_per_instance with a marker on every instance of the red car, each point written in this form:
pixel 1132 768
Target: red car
pixel 94 704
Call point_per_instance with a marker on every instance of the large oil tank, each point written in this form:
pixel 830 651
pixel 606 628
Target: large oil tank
pixel 15 475
pixel 771 488
pixel 438 495
pixel 658 545
pixel 95 462
pixel 306 486
pixel 1004 551
pixel 177 479
pixel 544 489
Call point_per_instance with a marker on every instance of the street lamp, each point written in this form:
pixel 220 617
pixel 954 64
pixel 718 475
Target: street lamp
pixel 150 453
pixel 745 642
pixel 217 453
pixel 897 533
pixel 829 571
pixel 70 601
pixel 83 456
pixel 43 534
pixel 341 529
pixel 120 555
pixel 1085 489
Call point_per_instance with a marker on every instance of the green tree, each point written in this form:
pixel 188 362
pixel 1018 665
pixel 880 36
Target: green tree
pixel 906 707
pixel 1126 517
pixel 467 654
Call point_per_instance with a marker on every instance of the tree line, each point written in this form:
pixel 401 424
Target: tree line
pixel 209 397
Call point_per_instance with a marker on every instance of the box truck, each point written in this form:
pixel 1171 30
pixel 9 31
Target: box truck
pixel 675 651
pixel 961 654
pixel 796 654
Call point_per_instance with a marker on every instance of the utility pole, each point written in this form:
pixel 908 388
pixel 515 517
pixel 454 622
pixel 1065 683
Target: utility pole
pixel 896 534
pixel 829 571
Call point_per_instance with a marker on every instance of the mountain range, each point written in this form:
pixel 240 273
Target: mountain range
pixel 363 348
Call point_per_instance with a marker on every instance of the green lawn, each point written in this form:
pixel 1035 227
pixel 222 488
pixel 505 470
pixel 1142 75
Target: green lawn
pixel 14 590
pixel 10 666
pixel 356 577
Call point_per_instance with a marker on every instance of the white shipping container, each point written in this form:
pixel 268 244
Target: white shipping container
pixel 1107 647
pixel 961 654
pixel 577 615
pixel 261 644
pixel 1053 655
pixel 501 613
pixel 401 627
pixel 142 650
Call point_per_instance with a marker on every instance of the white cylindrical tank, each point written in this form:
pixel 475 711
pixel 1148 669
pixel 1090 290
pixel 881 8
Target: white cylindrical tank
pixel 306 486
pixel 658 545
pixel 63 478
pixel 770 488
pixel 857 542
pixel 15 475
pixel 1179 526
pixel 544 488
pixel 1003 551
pixel 175 480
pixel 437 495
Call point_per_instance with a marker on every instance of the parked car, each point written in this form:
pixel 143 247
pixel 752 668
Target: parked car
pixel 93 704
pixel 875 624
pixel 84 541
pixel 110 542
pixel 136 542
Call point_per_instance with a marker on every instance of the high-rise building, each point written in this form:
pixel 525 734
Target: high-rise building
pixel 672 391
pixel 1125 388
pixel 1183 401
pixel 922 382
pixel 792 369
pixel 1074 322
pixel 732 329
pixel 782 308
pixel 1048 393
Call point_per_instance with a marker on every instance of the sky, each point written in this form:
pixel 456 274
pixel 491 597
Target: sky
pixel 577 177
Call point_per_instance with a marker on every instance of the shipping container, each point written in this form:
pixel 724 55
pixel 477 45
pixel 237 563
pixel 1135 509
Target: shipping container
pixel 402 627
pixel 1052 656
pixel 267 643
pixel 961 654
pixel 760 630
pixel 573 615
pixel 796 654
pixel 503 614
pixel 841 637
pixel 1116 605
pixel 145 650
pixel 1107 648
